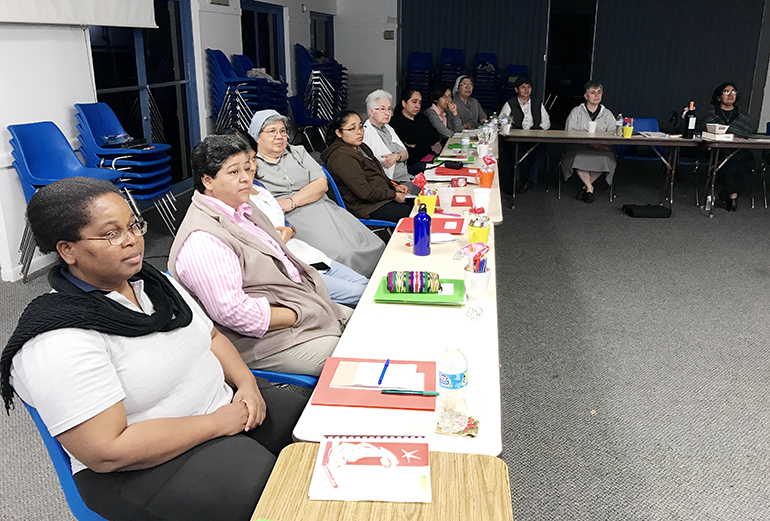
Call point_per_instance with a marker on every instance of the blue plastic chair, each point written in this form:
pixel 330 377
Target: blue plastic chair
pixel 420 61
pixel 375 223
pixel 42 155
pixel 305 122
pixel 453 57
pixel 63 466
pixel 629 152
pixel 98 120
pixel 242 64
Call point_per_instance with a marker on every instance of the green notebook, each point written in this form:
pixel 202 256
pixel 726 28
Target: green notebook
pixel 455 298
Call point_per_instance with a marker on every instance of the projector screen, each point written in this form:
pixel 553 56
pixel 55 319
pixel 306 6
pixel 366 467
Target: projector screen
pixel 111 13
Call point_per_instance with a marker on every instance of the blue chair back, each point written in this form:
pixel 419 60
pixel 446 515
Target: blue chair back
pixel 100 119
pixel 301 117
pixel 304 380
pixel 63 467
pixel 641 125
pixel 377 223
pixel 242 64
pixel 420 61
pixel 96 120
pixel 453 57
pixel 489 57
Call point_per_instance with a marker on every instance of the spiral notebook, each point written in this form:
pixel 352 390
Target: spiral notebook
pixel 372 468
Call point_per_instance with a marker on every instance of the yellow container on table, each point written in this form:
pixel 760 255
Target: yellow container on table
pixel 627 132
pixel 428 200
pixel 478 234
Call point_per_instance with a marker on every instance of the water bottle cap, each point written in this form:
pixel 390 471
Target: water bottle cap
pixel 422 208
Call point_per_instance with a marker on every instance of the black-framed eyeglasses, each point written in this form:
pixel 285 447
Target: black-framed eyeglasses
pixel 354 129
pixel 118 237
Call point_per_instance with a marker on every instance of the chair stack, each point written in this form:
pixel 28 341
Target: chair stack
pixel 452 66
pixel 275 92
pixel 485 80
pixel 324 84
pixel 305 123
pixel 514 71
pixel 41 156
pixel 144 167
pixel 418 75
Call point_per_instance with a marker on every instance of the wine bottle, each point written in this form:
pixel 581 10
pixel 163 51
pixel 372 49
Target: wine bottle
pixel 688 132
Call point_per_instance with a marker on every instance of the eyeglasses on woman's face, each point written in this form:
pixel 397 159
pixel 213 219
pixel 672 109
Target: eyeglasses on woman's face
pixel 273 132
pixel 354 128
pixel 118 237
pixel 384 110
pixel 729 92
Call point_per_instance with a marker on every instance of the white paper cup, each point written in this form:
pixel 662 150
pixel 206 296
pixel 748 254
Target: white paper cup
pixel 506 128
pixel 445 196
pixel 483 149
pixel 592 126
pixel 481 197
pixel 476 284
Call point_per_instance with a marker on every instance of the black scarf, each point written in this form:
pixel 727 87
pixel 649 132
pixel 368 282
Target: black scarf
pixel 71 307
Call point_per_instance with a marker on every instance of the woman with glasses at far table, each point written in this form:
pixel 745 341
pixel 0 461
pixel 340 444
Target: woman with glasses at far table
pixel 443 114
pixel 366 190
pixel 738 168
pixel 159 415
pixel 469 108
pixel 384 142
pixel 589 161
pixel 299 184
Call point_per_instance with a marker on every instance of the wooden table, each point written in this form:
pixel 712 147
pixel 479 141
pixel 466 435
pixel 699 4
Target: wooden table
pixel 732 148
pixel 464 487
pixel 600 138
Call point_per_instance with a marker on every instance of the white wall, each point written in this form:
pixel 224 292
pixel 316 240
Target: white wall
pixel 54 63
pixel 359 42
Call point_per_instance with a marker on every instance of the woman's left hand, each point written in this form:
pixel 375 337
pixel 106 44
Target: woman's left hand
pixel 401 189
pixel 285 205
pixel 286 233
pixel 250 395
pixel 389 160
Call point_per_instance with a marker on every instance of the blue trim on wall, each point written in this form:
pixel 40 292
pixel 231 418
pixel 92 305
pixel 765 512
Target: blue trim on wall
pixel 191 89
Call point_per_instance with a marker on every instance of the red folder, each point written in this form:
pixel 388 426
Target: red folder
pixel 436 225
pixel 349 397
pixel 462 200
pixel 442 170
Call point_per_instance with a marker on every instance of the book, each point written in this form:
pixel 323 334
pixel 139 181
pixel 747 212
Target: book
pixel 462 200
pixel 451 294
pixel 372 468
pixel 708 136
pixel 453 225
pixel 339 395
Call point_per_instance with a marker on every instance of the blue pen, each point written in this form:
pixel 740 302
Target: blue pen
pixel 483 265
pixel 387 363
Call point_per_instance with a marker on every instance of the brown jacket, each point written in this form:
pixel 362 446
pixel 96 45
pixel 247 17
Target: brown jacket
pixel 362 181
pixel 264 275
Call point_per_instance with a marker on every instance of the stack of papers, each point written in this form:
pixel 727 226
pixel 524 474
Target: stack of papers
pixel 367 374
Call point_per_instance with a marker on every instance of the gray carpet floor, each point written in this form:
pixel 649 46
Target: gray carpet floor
pixel 634 357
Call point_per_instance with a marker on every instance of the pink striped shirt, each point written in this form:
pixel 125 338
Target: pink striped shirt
pixel 212 271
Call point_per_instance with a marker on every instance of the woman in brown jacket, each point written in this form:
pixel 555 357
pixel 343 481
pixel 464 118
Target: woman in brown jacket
pixel 366 190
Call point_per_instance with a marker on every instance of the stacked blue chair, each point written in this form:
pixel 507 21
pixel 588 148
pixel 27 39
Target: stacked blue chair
pixel 41 156
pixel 418 75
pixel 274 93
pixel 452 65
pixel 514 71
pixel 305 123
pixel 486 78
pixel 144 170
pixel 323 84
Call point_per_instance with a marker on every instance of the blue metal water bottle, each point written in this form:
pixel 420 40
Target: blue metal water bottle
pixel 422 232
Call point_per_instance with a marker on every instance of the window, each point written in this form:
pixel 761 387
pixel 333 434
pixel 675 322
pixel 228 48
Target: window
pixel 142 74
pixel 322 33
pixel 262 37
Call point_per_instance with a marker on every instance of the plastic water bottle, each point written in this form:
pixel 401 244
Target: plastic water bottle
pixel 619 125
pixel 422 232
pixel 466 142
pixel 453 380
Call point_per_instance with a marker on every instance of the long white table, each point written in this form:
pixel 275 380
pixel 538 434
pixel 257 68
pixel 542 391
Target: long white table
pixel 413 332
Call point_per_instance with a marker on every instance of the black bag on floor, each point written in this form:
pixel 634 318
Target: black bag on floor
pixel 650 211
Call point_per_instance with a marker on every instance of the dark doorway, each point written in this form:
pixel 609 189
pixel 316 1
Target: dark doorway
pixel 262 37
pixel 570 54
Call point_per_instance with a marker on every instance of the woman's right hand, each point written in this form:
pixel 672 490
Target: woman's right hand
pixel 400 197
pixel 231 418
pixel 452 108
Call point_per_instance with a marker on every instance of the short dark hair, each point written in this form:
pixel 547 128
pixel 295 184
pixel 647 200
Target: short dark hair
pixel 438 92
pixel 718 92
pixel 235 131
pixel 209 155
pixel 339 119
pixel 406 94
pixel 57 212
pixel 592 85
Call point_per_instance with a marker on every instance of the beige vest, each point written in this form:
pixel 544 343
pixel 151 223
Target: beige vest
pixel 264 275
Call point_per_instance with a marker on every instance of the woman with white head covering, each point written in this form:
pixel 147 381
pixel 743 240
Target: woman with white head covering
pixel 469 109
pixel 299 184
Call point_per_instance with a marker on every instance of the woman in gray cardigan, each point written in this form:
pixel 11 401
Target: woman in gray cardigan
pixel 589 161
pixel 443 113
